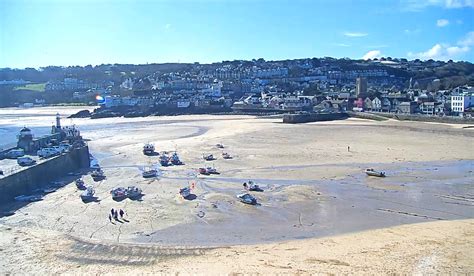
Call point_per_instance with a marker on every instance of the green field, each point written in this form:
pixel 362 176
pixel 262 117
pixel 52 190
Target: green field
pixel 39 87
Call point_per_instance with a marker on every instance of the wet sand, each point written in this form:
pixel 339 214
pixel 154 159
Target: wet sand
pixel 314 187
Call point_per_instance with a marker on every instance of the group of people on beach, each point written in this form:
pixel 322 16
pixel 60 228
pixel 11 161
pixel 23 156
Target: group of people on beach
pixel 114 214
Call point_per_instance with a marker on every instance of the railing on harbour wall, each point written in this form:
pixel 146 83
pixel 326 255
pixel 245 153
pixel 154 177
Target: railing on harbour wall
pixel 23 181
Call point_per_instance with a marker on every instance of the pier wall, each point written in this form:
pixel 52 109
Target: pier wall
pixel 25 181
pixel 426 118
pixel 313 117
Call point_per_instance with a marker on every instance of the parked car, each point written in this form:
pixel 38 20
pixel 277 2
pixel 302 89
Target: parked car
pixel 48 152
pixel 15 153
pixel 25 161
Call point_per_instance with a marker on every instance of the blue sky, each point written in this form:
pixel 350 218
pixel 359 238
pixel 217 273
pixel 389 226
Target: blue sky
pixel 60 32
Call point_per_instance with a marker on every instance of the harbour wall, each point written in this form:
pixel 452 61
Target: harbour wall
pixel 313 117
pixel 426 118
pixel 27 180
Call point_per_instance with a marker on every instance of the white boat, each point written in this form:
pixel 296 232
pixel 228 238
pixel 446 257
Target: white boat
pixel 148 149
pixel 372 172
pixel 251 186
pixel 212 170
pixel 88 194
pixel 133 192
pixel 164 160
pixel 98 175
pixel 149 173
pixel 225 155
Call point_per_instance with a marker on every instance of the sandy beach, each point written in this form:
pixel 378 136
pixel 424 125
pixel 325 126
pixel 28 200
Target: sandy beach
pixel 319 211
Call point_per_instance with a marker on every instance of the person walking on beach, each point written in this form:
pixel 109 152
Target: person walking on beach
pixel 121 212
pixel 348 148
pixel 115 214
pixel 110 217
pixel 112 211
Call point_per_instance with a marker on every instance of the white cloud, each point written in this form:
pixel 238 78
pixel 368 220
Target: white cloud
pixel 442 22
pixel 445 51
pixel 418 5
pixel 372 54
pixel 355 34
pixel 342 45
pixel 468 40
pixel 411 32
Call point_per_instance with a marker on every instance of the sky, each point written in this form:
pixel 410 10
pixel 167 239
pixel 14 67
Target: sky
pixel 38 33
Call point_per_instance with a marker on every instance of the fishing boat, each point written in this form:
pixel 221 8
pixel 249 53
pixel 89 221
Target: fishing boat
pixel 119 193
pixel 372 172
pixel 98 175
pixel 220 146
pixel 149 149
pixel 203 171
pixel 175 159
pixel 149 172
pixel 185 192
pixel 80 184
pixel 164 160
pixel 247 199
pixel 133 192
pixel 88 194
pixel 251 186
pixel 225 155
pixel 208 157
pixel 212 170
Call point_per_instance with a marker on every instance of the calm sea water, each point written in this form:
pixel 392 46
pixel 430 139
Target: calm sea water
pixel 39 120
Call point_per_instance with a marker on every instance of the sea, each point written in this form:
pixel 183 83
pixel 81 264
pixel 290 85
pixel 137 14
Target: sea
pixel 38 119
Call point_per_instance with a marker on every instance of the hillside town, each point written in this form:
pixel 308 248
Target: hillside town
pixel 434 88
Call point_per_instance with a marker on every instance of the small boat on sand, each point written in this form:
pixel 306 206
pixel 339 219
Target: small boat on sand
pixel 225 155
pixel 119 193
pixel 203 171
pixel 149 173
pixel 164 160
pixel 88 194
pixel 185 192
pixel 80 184
pixel 212 170
pixel 208 157
pixel 251 186
pixel 247 199
pixel 133 192
pixel 149 149
pixel 220 146
pixel 372 172
pixel 174 159
pixel 98 175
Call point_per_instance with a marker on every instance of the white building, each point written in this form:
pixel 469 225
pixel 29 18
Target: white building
pixel 461 101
